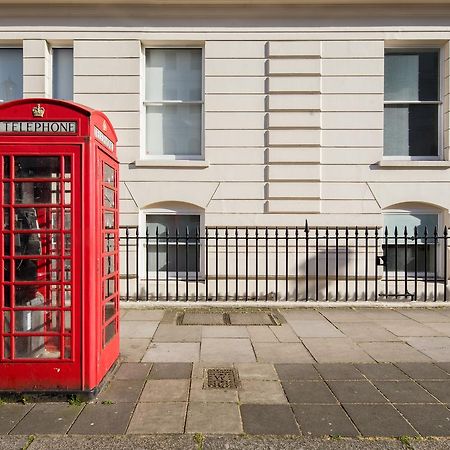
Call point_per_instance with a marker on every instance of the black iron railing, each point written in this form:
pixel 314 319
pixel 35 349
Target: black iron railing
pixel 284 264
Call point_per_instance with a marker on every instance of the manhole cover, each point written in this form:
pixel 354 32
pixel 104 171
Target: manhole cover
pixel 221 379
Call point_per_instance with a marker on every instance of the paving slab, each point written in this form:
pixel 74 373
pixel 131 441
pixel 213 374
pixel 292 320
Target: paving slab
pixel 440 389
pixel 443 328
pixel 172 352
pixel 198 370
pixel 11 414
pixel 122 391
pixel 259 419
pixel 444 366
pixel 356 392
pixel 428 420
pixel 98 418
pixel 314 329
pixel 48 418
pixel 423 371
pixel 256 371
pixel 150 315
pixel 213 418
pixel 229 331
pixel 165 391
pixel 308 392
pixel 297 372
pixel 227 350
pixel 170 371
pixel 250 318
pixel 436 348
pixel 339 372
pixel 132 350
pixel 393 352
pixel 424 315
pixel 302 314
pixel 132 371
pixel 200 395
pixel 379 420
pixel 166 417
pixel 271 352
pixel 409 328
pixel 200 318
pixel 404 392
pixel 261 334
pixel 366 331
pixel 324 420
pixel 177 333
pixel 382 371
pixel 138 329
pixel 284 333
pixel 261 392
pixel 381 314
pixel 336 350
pixel 342 314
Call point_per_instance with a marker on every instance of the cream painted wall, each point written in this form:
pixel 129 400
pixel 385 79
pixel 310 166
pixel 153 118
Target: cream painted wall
pixel 293 105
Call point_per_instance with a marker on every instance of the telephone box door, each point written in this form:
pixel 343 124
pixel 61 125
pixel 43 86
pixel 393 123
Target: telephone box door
pixel 40 218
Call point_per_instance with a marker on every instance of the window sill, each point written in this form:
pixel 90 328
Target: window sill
pixel 407 164
pixel 186 164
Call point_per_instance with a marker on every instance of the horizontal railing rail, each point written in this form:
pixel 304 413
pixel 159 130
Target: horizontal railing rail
pixel 284 264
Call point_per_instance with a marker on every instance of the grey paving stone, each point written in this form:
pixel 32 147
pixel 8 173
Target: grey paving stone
pixel 404 392
pixel 408 328
pixel 314 329
pixel 444 366
pixel 339 372
pixel 336 350
pixel 282 352
pixel 198 318
pixel 428 420
pixel 132 350
pixel 98 418
pixel 257 391
pixel 381 314
pixel 213 418
pixel 424 315
pixel 342 314
pixel 132 371
pixel 308 392
pixel 435 348
pixel 200 395
pixel 165 391
pixel 149 315
pixel 393 352
pixel 177 333
pixel 170 371
pixel 11 414
pixel 284 333
pixel 122 391
pixel 172 352
pixel 295 372
pixel 324 420
pixel 166 417
pixel 301 314
pixel 48 418
pixel 356 392
pixel 382 371
pixel 443 328
pixel 229 331
pixel 137 329
pixel 261 334
pixel 227 350
pixel 423 371
pixel 440 389
pixel 379 420
pixel 366 331
pixel 13 442
pixel 250 318
pixel 256 371
pixel 259 419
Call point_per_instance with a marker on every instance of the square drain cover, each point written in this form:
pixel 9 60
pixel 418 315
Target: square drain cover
pixel 221 379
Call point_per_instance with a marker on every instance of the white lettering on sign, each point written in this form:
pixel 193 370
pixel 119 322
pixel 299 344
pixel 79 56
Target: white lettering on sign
pixel 104 139
pixel 38 127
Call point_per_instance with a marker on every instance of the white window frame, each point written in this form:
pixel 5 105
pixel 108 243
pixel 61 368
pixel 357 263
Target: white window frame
pixel 6 46
pixel 151 275
pixel 52 47
pixel 144 155
pixel 439 102
pixel 439 248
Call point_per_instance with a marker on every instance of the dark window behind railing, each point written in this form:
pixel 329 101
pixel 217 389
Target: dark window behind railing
pixel 284 264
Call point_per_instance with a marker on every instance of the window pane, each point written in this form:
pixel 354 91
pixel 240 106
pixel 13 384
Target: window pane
pixel 11 74
pixel 37 167
pixel 411 130
pixel 63 73
pixel 172 259
pixel 173 74
pixel 425 258
pixel 170 223
pixel 174 129
pixel 430 221
pixel 412 76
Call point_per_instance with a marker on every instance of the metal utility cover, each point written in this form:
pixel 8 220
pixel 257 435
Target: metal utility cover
pixel 219 378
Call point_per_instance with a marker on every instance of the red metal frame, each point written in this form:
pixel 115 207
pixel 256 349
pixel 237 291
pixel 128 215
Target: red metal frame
pixel 68 349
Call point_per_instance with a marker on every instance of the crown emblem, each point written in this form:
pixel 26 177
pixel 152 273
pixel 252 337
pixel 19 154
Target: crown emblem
pixel 105 127
pixel 38 111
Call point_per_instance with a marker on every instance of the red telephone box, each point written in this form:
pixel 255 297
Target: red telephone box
pixel 59 276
